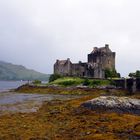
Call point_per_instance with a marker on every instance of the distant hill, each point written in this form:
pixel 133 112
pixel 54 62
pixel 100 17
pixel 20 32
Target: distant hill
pixel 10 71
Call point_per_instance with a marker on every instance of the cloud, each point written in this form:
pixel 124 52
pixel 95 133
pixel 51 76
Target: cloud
pixel 36 33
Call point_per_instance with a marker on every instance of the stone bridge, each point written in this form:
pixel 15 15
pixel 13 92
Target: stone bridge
pixel 131 84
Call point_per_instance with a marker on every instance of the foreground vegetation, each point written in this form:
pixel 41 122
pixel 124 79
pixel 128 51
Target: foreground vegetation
pixel 66 120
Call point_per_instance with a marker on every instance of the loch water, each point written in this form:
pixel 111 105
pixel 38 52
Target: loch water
pixel 7 85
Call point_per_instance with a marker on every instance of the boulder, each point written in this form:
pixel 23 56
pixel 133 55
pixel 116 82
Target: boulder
pixel 114 104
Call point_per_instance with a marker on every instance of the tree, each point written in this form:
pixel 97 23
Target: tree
pixel 54 77
pixel 138 74
pixel 111 73
pixel 134 74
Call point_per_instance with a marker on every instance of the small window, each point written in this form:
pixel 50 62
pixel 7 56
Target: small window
pixel 108 61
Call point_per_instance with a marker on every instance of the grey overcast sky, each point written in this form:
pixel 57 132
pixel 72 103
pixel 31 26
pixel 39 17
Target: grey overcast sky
pixel 35 33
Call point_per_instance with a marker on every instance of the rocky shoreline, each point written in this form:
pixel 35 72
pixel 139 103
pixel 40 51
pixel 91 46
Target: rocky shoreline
pixel 76 90
pixel 68 119
pixel 107 99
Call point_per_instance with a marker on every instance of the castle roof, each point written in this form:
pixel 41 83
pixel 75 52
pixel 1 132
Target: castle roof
pixel 62 62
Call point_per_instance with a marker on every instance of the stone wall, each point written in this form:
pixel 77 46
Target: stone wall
pixel 131 84
pixel 138 84
pixel 79 69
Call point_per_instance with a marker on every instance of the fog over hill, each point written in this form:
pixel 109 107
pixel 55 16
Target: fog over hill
pixel 10 71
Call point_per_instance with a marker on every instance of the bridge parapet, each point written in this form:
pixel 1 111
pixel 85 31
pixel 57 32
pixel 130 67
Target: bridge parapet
pixel 131 84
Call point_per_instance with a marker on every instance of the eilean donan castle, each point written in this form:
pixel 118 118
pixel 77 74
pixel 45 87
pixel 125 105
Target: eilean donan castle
pixel 98 60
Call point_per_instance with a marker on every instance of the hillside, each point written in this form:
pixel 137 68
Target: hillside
pixel 10 71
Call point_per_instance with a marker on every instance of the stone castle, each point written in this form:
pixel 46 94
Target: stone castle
pixel 98 60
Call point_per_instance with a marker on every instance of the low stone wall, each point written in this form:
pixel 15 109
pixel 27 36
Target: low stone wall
pixel 131 84
pixel 138 84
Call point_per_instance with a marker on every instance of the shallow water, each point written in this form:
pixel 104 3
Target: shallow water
pixel 11 102
pixel 7 85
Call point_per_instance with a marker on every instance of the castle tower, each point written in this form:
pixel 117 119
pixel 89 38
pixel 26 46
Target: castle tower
pixel 63 67
pixel 101 59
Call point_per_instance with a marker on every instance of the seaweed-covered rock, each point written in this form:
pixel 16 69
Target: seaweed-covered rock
pixel 114 104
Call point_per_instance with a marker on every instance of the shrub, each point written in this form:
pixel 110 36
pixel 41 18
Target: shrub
pixel 54 77
pixel 135 74
pixel 36 82
pixel 67 83
pixel 86 82
pixel 95 83
pixel 112 82
pixel 111 73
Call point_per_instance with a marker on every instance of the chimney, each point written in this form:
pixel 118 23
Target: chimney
pixel 107 45
pixel 57 61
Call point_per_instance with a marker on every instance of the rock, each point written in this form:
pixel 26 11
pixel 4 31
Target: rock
pixel 114 104
pixel 88 133
pixel 106 87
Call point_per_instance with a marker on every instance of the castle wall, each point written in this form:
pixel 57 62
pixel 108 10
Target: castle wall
pixel 79 69
pixel 108 61
pixel 99 73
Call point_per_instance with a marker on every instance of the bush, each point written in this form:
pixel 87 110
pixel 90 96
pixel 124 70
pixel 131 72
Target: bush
pixel 111 73
pixel 86 82
pixel 96 82
pixel 112 82
pixel 54 77
pixel 135 74
pixel 36 82
pixel 67 83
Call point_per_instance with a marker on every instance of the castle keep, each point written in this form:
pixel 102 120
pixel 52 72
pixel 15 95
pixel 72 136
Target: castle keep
pixel 98 60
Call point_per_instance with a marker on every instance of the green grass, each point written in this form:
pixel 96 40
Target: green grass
pixel 68 81
pixel 74 81
pixel 95 82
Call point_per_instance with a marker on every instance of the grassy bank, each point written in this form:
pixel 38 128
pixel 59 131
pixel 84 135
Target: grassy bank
pixel 71 90
pixel 55 90
pixel 76 86
pixel 75 81
pixel 71 85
